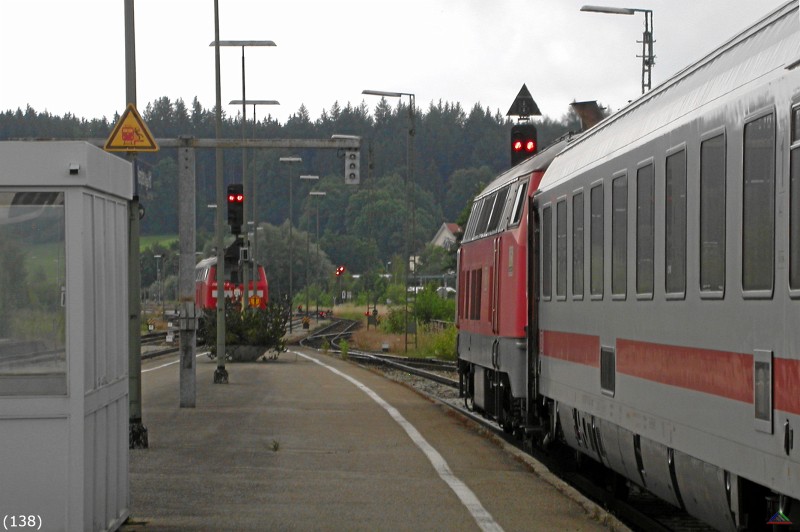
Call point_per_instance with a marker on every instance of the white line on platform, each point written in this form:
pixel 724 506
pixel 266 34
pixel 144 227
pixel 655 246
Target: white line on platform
pixel 169 364
pixel 482 517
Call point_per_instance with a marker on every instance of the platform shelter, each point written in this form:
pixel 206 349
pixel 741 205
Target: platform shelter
pixel 63 336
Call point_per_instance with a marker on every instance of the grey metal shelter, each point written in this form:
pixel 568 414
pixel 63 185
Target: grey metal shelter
pixel 64 334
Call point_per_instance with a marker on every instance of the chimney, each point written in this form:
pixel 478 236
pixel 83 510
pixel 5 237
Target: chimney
pixel 589 112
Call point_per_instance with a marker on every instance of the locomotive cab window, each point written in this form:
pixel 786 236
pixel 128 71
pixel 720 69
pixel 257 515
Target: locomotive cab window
pixel 758 209
pixel 497 210
pixel 519 204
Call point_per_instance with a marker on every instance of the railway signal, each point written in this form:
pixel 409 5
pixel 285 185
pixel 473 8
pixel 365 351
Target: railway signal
pixel 352 165
pixel 339 271
pixel 235 207
pixel 523 142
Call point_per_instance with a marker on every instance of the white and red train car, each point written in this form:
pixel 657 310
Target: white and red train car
pixel 660 334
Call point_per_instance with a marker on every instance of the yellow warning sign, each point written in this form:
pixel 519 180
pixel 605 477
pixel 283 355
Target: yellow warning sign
pixel 131 134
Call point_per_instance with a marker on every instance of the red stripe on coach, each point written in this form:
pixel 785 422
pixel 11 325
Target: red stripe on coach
pixel 720 373
pixel 578 348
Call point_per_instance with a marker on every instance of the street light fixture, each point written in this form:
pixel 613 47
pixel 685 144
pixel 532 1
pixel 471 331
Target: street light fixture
pixel 254 223
pixel 648 59
pixel 290 160
pixel 409 200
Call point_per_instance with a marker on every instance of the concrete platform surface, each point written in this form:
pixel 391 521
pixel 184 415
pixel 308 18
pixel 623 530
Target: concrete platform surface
pixel 310 442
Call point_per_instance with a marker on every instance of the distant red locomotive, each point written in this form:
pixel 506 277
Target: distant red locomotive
pixel 206 286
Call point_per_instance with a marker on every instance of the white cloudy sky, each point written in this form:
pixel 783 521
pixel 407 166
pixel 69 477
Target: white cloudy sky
pixel 68 56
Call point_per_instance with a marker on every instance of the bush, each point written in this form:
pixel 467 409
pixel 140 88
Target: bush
pixel 255 326
pixel 430 306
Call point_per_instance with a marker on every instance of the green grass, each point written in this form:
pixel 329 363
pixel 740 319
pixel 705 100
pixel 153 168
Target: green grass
pixel 146 241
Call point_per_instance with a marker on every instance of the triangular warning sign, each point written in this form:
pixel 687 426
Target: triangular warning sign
pixel 523 105
pixel 131 134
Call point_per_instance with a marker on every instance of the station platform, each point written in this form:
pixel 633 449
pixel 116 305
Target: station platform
pixel 311 442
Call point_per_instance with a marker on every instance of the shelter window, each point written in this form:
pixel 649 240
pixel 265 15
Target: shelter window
pixel 32 293
pixel 712 214
pixel 758 216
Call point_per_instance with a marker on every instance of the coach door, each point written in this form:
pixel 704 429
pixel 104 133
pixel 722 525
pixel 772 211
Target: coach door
pixel 532 329
pixel 495 284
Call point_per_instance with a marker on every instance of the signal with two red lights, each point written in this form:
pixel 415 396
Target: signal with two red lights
pixel 339 271
pixel 523 142
pixel 236 207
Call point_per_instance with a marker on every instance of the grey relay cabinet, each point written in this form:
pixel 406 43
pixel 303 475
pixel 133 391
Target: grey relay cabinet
pixel 63 336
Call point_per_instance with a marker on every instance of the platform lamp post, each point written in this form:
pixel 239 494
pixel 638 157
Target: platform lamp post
pixel 409 199
pixel 243 44
pixel 648 59
pixel 308 254
pixel 289 161
pixel 317 194
pixel 254 222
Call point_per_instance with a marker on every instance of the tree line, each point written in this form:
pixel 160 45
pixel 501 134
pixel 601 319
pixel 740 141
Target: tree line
pixel 365 226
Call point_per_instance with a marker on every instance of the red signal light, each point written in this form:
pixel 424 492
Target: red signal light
pixel 517 145
pixel 235 198
pixel 530 146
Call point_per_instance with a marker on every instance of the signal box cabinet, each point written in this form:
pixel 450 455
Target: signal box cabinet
pixel 63 336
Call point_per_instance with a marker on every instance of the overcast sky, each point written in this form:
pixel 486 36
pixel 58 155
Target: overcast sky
pixel 68 56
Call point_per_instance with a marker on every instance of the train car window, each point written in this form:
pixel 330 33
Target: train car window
pixel 33 352
pixel 645 229
pixel 758 217
pixel 486 213
pixel 596 235
pixel 463 282
pixel 519 203
pixel 547 253
pixel 477 286
pixel 497 210
pixel 712 215
pixel 577 245
pixel 561 249
pixel 675 199
pixel 469 234
pixel 619 236
pixel 794 203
